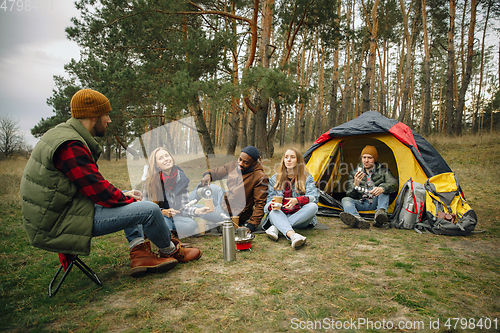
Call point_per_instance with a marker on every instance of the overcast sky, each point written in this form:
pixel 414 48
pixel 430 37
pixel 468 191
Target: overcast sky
pixel 33 48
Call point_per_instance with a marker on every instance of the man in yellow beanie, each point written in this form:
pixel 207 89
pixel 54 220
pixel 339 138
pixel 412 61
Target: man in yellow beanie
pixel 66 201
pixel 368 188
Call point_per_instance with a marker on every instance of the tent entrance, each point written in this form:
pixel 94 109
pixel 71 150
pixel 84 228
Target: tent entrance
pixel 345 156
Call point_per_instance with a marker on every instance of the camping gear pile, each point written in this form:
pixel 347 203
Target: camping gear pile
pixel 411 159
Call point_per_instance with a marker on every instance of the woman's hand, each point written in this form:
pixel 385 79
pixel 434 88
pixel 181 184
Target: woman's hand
pixel 169 212
pixel 136 194
pixel 291 203
pixel 275 205
pixel 202 210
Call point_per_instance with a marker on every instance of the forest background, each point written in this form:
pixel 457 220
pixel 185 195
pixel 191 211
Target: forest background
pixel 269 72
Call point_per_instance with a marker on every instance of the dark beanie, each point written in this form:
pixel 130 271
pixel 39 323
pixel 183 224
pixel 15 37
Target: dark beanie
pixel 88 103
pixel 252 152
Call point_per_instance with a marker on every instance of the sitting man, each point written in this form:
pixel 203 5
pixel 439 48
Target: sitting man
pixel 368 188
pixel 247 185
pixel 66 201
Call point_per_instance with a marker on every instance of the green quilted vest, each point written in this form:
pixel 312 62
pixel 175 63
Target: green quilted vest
pixel 56 216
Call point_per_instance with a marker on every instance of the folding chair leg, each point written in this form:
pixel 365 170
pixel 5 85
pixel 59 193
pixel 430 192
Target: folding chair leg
pixel 84 268
pixel 81 265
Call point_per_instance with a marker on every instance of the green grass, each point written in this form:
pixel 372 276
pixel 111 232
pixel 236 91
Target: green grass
pixel 341 273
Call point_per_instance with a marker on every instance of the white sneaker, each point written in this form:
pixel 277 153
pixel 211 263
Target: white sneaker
pixel 297 240
pixel 272 232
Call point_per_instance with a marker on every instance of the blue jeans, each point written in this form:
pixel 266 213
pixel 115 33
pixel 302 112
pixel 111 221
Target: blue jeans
pixel 352 205
pixel 299 220
pixel 185 226
pixel 145 214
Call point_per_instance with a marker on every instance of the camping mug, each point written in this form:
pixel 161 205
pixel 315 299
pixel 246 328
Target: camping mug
pixel 241 232
pixel 278 200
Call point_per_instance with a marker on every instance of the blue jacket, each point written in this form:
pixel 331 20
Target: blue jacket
pixel 311 193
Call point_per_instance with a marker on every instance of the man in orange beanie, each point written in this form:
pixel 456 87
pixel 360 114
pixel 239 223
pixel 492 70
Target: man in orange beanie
pixel 368 188
pixel 66 201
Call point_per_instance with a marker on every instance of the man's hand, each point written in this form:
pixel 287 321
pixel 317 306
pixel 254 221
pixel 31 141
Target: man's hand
pixel 169 212
pixel 377 191
pixel 205 180
pixel 136 194
pixel 358 177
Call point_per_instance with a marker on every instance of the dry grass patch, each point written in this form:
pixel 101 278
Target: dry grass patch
pixel 340 273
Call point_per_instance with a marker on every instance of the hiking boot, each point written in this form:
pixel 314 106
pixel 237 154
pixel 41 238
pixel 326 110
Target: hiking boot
pixel 143 260
pixel 380 217
pixel 348 219
pixel 297 240
pixel 272 233
pixel 181 253
pixel 354 221
pixel 362 223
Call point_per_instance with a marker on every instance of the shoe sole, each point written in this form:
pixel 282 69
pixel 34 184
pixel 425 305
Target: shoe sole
pixel 380 220
pixel 348 219
pixel 299 243
pixel 272 237
pixel 363 224
pixel 142 270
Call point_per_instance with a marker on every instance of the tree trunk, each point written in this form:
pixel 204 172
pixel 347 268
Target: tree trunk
pixel 382 92
pixel 451 71
pixel 478 98
pixel 370 69
pixel 261 128
pixel 125 146
pixel 321 88
pixel 426 117
pixel 397 91
pixel 202 126
pixel 346 99
pixel 234 121
pixel 272 130
pixel 252 129
pixel 244 127
pixel 302 81
pixel 468 70
pixel 283 127
pixel 332 116
pixel 410 43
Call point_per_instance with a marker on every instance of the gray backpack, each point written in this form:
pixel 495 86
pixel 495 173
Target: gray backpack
pixel 409 208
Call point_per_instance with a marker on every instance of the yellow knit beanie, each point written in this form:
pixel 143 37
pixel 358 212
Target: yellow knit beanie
pixel 371 150
pixel 88 103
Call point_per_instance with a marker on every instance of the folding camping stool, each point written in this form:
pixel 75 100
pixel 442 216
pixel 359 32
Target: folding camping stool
pixel 73 260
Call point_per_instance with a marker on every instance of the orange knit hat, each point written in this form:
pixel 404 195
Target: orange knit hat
pixel 88 103
pixel 371 150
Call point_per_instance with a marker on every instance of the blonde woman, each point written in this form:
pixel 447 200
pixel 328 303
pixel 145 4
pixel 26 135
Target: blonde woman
pixel 299 199
pixel 168 186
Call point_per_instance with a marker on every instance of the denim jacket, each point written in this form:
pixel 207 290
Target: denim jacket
pixel 311 193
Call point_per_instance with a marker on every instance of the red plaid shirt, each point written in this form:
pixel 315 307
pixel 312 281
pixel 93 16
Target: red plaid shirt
pixel 288 193
pixel 75 161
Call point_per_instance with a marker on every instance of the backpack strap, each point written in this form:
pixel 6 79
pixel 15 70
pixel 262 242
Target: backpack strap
pixel 425 226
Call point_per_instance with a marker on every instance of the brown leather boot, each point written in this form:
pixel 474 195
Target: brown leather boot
pixel 182 254
pixel 143 260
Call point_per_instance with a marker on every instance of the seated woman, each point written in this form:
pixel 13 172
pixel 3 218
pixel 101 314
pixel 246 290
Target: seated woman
pixel 168 186
pixel 299 194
